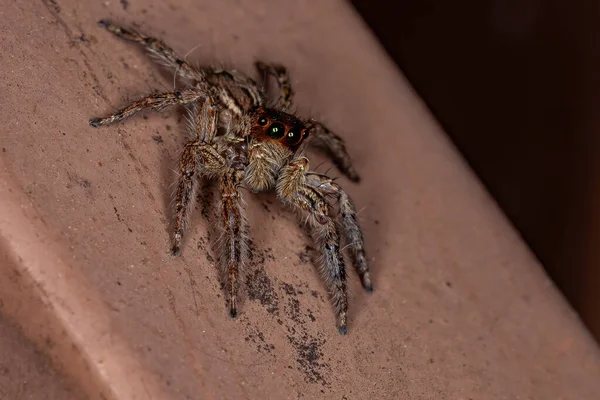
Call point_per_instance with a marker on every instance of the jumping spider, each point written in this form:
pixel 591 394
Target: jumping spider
pixel 241 142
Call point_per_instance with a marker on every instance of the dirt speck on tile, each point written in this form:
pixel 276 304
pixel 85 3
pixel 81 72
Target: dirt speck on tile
pixel 260 288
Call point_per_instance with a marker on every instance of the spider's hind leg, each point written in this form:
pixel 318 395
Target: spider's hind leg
pixel 234 243
pixel 198 159
pixel 157 48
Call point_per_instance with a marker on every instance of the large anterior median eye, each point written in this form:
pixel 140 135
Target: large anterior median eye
pixel 276 130
pixel 293 136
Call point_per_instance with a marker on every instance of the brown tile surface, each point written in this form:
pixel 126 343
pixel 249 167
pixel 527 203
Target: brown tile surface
pixel 26 373
pixel 461 309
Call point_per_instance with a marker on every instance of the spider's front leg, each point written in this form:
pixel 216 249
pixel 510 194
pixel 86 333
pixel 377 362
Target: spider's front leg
pixel 333 145
pixel 156 102
pixel 294 189
pixel 349 223
pixel 234 244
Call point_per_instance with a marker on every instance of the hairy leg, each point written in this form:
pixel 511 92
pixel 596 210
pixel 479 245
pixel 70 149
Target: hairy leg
pixel 158 49
pixel 349 223
pixel 156 102
pixel 293 189
pixel 333 145
pixel 203 120
pixel 185 194
pixel 283 80
pixel 196 160
pixel 234 244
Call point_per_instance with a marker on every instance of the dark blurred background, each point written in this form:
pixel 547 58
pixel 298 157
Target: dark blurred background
pixel 516 85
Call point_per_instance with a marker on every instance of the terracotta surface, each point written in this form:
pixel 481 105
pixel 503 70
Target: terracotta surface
pixel 492 70
pixel 461 309
pixel 26 373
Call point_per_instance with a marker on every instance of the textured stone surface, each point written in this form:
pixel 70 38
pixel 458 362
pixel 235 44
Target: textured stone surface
pixel 26 373
pixel 461 309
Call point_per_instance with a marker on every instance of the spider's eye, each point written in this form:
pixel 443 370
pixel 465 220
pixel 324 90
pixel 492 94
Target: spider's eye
pixel 262 121
pixel 293 136
pixel 276 130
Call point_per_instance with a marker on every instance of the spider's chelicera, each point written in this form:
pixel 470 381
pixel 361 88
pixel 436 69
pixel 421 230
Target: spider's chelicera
pixel 241 142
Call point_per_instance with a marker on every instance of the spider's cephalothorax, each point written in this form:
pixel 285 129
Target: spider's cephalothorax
pixel 240 142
